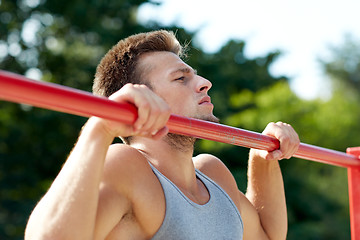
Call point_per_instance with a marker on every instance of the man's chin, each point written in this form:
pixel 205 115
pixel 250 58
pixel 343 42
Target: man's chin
pixel 209 118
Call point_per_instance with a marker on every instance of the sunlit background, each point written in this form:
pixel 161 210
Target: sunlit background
pixel 303 30
pixel 290 61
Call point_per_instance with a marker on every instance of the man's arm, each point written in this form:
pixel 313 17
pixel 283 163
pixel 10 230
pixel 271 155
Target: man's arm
pixel 69 208
pixel 265 183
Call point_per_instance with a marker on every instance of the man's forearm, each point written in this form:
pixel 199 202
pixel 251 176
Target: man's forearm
pixel 69 207
pixel 266 192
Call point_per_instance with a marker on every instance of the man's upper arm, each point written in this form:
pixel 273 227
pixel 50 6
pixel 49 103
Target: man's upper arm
pixel 251 220
pixel 112 207
pixel 114 202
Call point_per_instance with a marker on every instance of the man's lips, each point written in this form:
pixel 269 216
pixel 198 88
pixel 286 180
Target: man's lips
pixel 204 100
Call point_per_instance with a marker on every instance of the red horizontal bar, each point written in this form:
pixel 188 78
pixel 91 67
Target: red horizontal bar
pixel 17 88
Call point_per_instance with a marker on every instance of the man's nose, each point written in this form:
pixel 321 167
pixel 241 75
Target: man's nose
pixel 203 84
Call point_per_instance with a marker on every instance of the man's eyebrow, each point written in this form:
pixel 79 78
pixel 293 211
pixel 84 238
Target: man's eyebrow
pixel 184 70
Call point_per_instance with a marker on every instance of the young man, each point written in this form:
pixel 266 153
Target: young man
pixel 152 187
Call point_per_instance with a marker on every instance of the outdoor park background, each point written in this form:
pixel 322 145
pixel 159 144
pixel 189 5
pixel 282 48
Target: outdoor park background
pixel 63 41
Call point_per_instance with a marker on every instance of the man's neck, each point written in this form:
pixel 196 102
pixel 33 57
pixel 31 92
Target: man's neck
pixel 175 163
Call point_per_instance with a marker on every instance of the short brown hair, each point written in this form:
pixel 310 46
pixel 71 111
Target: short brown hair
pixel 119 66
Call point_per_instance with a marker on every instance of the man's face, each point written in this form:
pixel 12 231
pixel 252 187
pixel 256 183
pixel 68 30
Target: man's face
pixel 178 84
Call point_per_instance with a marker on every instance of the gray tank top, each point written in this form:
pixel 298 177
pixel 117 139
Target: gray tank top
pixel 218 219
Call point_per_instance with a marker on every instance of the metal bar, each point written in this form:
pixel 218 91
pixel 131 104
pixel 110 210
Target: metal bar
pixel 17 88
pixel 354 195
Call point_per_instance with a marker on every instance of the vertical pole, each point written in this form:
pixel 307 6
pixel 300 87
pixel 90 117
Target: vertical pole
pixel 354 195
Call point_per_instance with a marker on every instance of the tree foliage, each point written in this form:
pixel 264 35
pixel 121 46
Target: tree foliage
pixel 344 64
pixel 62 42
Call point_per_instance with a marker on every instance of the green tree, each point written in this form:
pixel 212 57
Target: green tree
pixel 343 65
pixel 61 41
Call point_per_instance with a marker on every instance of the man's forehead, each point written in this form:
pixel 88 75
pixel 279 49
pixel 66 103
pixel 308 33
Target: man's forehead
pixel 183 68
pixel 167 61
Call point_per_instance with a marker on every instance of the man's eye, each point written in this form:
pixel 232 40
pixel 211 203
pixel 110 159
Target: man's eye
pixel 180 79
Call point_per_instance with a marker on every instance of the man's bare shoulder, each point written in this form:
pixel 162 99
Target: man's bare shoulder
pixel 214 168
pixel 211 166
pixel 207 163
pixel 126 166
pixel 119 150
pixel 129 188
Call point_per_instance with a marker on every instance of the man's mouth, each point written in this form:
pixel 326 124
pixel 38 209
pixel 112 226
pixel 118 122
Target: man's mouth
pixel 205 100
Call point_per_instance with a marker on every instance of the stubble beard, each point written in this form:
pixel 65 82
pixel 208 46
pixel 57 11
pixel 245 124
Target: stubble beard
pixel 186 143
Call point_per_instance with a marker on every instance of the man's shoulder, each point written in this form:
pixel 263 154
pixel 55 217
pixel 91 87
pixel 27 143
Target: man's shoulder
pixel 124 155
pixel 121 149
pixel 215 169
pixel 124 164
pixel 128 176
pixel 208 163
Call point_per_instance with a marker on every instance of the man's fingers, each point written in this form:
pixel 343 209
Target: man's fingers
pixel 158 116
pixel 153 111
pixel 288 138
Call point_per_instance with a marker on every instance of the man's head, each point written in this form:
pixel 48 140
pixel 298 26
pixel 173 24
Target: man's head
pixel 154 59
pixel 120 65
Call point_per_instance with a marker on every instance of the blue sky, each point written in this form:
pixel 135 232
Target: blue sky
pixel 302 30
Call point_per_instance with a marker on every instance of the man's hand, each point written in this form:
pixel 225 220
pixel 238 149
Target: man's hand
pixel 288 138
pixel 153 113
